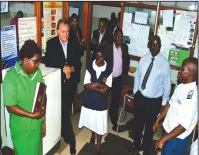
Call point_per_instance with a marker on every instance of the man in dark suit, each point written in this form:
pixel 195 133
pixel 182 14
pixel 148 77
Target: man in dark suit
pixel 63 52
pixel 101 36
pixel 118 60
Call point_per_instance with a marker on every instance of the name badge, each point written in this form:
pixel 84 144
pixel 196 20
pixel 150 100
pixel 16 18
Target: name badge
pixel 190 94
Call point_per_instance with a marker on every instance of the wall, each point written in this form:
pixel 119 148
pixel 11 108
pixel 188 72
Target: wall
pixel 100 11
pixel 80 6
pixel 185 5
pixel 26 7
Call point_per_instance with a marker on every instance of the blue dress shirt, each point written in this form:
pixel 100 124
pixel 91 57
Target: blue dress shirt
pixel 159 81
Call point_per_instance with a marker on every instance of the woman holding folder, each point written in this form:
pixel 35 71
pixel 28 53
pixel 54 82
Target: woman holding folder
pixel 18 94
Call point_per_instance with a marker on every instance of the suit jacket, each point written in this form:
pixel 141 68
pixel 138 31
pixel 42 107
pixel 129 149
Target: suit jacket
pixel 125 57
pixel 107 38
pixel 82 46
pixel 55 57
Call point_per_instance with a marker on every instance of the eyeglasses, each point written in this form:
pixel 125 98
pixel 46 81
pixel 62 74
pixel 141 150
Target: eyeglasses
pixel 36 62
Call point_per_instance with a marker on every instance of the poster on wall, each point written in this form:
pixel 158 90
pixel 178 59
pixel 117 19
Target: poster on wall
pixel 141 17
pixel 4 7
pixel 176 56
pixel 52 12
pixel 8 42
pixel 27 30
pixel 188 20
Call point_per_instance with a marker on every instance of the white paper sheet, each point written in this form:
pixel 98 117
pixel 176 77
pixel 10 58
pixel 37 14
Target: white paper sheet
pixel 184 28
pixel 138 35
pixel 168 18
pixel 27 30
pixel 52 13
pixel 127 17
pixel 73 10
pixel 143 35
pixel 141 17
pixel 137 50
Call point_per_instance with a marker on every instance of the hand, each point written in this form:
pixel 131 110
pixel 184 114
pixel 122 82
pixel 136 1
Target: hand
pixel 66 69
pixel 94 41
pixel 162 108
pixel 159 144
pixel 95 85
pixel 68 76
pixel 72 69
pixel 39 114
pixel 44 127
pixel 155 126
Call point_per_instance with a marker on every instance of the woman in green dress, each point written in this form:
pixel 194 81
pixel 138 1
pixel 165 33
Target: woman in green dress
pixel 18 94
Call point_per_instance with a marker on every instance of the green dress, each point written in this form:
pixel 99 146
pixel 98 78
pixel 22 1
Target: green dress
pixel 19 89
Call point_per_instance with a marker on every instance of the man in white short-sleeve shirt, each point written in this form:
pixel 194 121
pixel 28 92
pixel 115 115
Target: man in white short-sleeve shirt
pixel 181 112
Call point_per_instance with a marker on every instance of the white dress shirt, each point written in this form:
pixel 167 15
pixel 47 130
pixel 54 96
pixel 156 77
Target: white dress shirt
pixel 98 70
pixel 64 46
pixel 114 30
pixel 101 36
pixel 159 80
pixel 183 109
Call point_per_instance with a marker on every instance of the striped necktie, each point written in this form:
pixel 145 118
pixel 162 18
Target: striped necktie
pixel 147 74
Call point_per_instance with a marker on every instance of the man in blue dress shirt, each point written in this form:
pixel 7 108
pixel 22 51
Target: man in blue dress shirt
pixel 151 92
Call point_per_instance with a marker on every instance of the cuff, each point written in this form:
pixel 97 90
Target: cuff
pixel 164 102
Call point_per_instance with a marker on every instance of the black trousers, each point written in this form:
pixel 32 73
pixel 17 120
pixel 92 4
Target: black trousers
pixel 146 111
pixel 68 92
pixel 115 100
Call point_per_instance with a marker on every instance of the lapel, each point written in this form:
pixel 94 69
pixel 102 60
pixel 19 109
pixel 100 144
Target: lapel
pixel 98 35
pixel 104 36
pixel 60 49
pixel 122 48
pixel 68 49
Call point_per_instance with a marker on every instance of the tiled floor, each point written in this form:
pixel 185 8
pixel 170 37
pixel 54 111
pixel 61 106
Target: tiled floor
pixel 83 135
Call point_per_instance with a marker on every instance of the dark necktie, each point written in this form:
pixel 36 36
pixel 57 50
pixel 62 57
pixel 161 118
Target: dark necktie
pixel 147 74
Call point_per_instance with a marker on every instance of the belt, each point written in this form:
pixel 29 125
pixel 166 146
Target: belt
pixel 148 97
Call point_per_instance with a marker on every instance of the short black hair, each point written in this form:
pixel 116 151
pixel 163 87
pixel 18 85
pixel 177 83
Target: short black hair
pixel 100 49
pixel 74 16
pixel 62 21
pixel 114 19
pixel 118 30
pixel 19 14
pixel 104 20
pixel 113 15
pixel 155 37
pixel 193 61
pixel 29 50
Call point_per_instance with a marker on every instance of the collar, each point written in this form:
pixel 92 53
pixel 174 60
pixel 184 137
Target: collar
pixel 63 44
pixel 20 70
pixel 101 68
pixel 155 57
pixel 189 85
pixel 115 46
pixel 103 32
